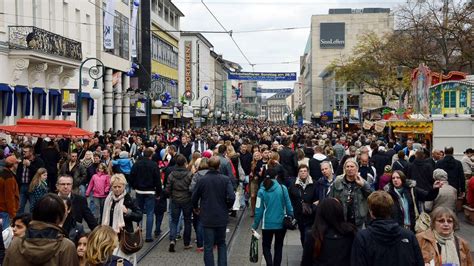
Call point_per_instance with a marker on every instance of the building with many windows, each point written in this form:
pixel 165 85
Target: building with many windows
pixel 333 36
pixel 159 60
pixel 42 45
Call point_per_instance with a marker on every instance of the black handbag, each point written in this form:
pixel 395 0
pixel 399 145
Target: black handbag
pixel 131 242
pixel 289 222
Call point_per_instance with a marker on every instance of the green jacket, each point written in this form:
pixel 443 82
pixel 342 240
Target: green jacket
pixel 340 190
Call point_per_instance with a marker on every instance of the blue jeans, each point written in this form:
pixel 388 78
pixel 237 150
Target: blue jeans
pixel 82 190
pixel 215 236
pixel 187 209
pixel 24 197
pixel 199 230
pixel 146 202
pixel 179 226
pixel 5 220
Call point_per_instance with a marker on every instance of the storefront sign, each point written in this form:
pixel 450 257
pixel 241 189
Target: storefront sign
pixel 332 35
pixel 187 66
pixel 69 101
pixel 109 18
pixel 380 125
pixel 263 76
pixel 367 124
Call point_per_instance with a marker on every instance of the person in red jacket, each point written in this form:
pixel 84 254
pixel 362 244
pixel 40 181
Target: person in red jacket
pixel 470 192
pixel 9 193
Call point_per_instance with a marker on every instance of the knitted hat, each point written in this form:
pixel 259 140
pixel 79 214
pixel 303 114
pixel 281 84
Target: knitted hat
pixel 387 169
pixel 123 155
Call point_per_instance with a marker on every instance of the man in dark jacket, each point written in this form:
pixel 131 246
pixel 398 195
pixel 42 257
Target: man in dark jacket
pixel 384 242
pixel 79 208
pixel 454 169
pixel 212 197
pixel 420 171
pixel 25 173
pixel 315 163
pixel 51 158
pixel 185 148
pixel 289 160
pixel 146 180
pixel 178 190
pixel 74 168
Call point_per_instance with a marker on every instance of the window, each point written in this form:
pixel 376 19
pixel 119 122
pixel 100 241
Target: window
pixel 121 36
pixel 167 17
pixel 450 99
pixel 160 8
pixel 463 99
pixel 164 52
pixel 154 6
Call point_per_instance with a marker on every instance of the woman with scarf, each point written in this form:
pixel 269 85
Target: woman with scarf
pixel 302 196
pixel 405 195
pixel 439 245
pixel 120 211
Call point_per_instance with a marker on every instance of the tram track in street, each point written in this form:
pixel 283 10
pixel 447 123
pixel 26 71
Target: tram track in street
pixel 149 249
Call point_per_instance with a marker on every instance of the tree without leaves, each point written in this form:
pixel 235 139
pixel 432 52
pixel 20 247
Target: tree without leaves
pixel 438 33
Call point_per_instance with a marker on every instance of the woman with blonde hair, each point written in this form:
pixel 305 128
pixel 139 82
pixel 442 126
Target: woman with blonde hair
pixel 439 245
pixel 101 244
pixel 38 187
pixel 191 166
pixel 120 211
pixel 254 185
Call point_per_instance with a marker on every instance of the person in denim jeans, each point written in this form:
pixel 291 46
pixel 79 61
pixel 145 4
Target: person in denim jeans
pixel 145 179
pixel 213 196
pixel 177 188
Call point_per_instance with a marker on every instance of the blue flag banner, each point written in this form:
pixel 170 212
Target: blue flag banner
pixel 275 90
pixel 263 76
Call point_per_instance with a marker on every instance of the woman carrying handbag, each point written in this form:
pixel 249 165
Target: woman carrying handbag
pixel 120 211
pixel 273 204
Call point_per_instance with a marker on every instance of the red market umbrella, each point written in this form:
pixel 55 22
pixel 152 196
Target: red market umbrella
pixel 46 128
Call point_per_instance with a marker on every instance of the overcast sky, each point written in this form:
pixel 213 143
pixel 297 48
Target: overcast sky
pixel 265 49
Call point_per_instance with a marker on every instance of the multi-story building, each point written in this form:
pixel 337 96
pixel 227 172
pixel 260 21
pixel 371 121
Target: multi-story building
pixel 159 58
pixel 42 44
pixel 197 70
pixel 114 106
pixel 333 36
pixel 276 107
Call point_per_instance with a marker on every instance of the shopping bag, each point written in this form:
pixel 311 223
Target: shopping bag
pixel 254 250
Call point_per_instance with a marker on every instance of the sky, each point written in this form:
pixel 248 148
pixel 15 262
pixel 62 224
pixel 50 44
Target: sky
pixel 272 51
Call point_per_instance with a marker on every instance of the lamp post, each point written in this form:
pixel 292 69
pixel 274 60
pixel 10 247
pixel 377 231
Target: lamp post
pixel 204 102
pixel 95 72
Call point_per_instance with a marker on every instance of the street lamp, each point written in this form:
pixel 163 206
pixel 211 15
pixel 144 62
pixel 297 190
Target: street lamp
pixel 95 72
pixel 204 103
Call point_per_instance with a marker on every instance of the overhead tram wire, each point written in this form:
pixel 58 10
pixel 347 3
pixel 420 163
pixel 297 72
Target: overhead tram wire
pixel 230 34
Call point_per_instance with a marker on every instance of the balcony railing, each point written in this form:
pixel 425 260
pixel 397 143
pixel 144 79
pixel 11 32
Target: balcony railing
pixel 33 38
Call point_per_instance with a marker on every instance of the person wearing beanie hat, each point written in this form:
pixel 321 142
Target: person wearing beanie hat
pixel 10 200
pixel 447 194
pixel 386 177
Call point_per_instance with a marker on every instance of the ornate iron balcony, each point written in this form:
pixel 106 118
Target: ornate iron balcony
pixel 33 38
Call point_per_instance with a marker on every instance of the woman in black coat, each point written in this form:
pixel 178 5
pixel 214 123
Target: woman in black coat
pixel 402 192
pixel 120 211
pixel 302 196
pixel 329 243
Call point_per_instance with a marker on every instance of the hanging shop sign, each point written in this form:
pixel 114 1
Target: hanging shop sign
pixel 188 67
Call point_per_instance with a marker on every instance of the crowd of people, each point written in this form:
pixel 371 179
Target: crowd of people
pixel 357 198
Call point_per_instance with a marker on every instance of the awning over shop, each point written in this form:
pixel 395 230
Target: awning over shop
pixel 90 102
pixel 55 98
pixel 42 100
pixel 46 128
pixel 7 98
pixel 26 98
pixel 411 127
